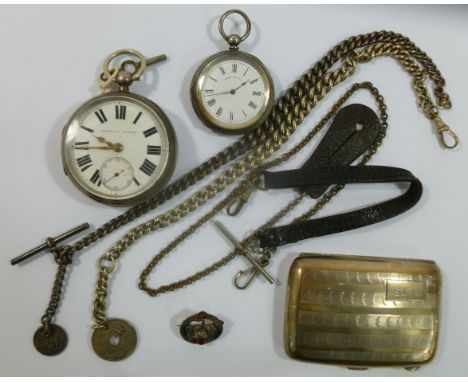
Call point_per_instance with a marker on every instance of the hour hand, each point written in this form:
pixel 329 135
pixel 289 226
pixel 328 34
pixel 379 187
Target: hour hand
pixel 103 140
pixel 117 147
pixel 215 94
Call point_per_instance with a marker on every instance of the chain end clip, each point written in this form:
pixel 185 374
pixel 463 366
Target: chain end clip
pixel 443 131
pixel 243 194
pixel 248 274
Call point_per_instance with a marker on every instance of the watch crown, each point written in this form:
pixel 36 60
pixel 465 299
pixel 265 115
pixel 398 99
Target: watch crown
pixel 124 78
pixel 234 41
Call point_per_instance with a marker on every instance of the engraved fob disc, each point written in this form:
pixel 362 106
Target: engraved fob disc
pixel 51 341
pixel 116 341
pixel 362 311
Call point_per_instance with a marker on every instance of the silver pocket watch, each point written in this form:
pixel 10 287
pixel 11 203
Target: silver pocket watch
pixel 232 91
pixel 119 148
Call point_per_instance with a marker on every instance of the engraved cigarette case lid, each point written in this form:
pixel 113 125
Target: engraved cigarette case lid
pixel 362 312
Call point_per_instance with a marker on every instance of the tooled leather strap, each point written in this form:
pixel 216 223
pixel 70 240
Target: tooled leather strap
pixel 354 129
pixel 292 233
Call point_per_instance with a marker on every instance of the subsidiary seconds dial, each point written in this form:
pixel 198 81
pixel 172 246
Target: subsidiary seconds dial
pixel 119 148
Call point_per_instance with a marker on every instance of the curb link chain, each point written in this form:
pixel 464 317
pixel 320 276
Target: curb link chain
pixel 287 112
pixel 301 109
pixel 252 178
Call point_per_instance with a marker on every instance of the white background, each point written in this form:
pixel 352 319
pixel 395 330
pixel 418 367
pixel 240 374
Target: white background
pixel 50 57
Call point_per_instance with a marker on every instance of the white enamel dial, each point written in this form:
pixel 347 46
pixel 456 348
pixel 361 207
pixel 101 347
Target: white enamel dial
pixel 233 92
pixel 116 148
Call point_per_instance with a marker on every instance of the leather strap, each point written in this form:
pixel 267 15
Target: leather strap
pixel 354 129
pixel 292 233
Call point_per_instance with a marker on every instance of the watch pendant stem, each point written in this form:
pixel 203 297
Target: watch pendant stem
pixel 234 41
pixel 129 70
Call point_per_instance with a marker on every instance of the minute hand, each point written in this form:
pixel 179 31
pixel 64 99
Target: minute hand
pixel 208 94
pixel 93 147
pixel 233 91
pixel 242 84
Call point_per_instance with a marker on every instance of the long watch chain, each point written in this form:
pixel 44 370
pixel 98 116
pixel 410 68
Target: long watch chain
pixel 290 110
pixel 250 182
pixel 250 161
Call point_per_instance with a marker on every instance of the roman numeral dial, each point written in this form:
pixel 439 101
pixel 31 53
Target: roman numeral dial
pixel 120 111
pixel 148 167
pixel 151 131
pixel 100 116
pixel 96 178
pixel 84 162
pixel 118 149
pixel 153 150
pixel 232 93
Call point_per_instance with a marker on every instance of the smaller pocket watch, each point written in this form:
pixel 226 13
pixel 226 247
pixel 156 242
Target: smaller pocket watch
pixel 119 148
pixel 232 91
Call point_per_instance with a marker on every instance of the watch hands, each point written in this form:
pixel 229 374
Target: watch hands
pixel 232 91
pixel 93 147
pixel 103 140
pixel 114 176
pixel 117 147
pixel 236 89
pixel 229 91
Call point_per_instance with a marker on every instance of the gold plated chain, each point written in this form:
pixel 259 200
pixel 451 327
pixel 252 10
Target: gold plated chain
pixel 250 183
pixel 289 113
pixel 258 145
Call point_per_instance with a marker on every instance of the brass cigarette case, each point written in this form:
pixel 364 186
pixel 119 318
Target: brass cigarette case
pixel 362 312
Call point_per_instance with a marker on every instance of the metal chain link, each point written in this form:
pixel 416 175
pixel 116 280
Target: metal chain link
pixel 289 111
pixel 63 257
pixel 251 160
pixel 251 180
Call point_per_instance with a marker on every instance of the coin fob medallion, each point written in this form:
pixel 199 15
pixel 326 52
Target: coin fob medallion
pixel 51 341
pixel 115 341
